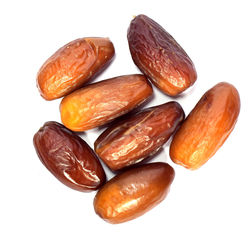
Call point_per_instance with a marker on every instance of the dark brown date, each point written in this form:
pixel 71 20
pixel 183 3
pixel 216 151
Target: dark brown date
pixel 159 56
pixel 134 192
pixel 68 157
pixel 142 135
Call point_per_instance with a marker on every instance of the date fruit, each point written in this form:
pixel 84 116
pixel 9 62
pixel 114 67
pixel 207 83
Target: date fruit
pixel 73 65
pixel 68 157
pixel 134 192
pixel 206 127
pixel 139 136
pixel 101 102
pixel 159 56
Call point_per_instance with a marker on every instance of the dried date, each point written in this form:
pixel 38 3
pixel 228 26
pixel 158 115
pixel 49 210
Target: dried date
pixel 102 102
pixel 68 157
pixel 139 136
pixel 206 127
pixel 159 56
pixel 133 192
pixel 73 65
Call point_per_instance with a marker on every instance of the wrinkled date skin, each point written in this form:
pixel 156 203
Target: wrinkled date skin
pixel 73 65
pixel 68 157
pixel 159 56
pixel 142 135
pixel 134 192
pixel 206 127
pixel 101 102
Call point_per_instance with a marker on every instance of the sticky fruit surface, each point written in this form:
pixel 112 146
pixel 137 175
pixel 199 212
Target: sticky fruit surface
pixel 68 157
pixel 73 65
pixel 206 127
pixel 102 102
pixel 133 192
pixel 159 56
pixel 138 136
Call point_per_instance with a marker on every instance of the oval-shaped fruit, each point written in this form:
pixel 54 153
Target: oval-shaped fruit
pixel 159 56
pixel 101 102
pixel 139 136
pixel 206 127
pixel 134 192
pixel 73 65
pixel 68 157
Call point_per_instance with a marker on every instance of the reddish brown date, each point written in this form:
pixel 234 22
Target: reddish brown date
pixel 68 157
pixel 101 102
pixel 134 192
pixel 73 65
pixel 142 135
pixel 159 56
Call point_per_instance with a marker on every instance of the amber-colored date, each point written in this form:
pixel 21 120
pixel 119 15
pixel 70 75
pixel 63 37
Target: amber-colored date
pixel 206 127
pixel 139 136
pixel 134 192
pixel 73 65
pixel 68 157
pixel 159 56
pixel 101 102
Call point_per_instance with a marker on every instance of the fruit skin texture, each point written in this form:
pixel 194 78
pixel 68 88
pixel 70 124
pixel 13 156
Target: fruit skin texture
pixel 134 192
pixel 99 103
pixel 159 56
pixel 206 127
pixel 68 157
pixel 139 136
pixel 73 65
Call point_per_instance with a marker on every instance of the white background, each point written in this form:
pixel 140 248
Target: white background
pixel 205 209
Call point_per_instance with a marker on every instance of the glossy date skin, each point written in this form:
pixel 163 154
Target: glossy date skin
pixel 159 56
pixel 139 136
pixel 102 102
pixel 73 65
pixel 134 192
pixel 206 127
pixel 68 157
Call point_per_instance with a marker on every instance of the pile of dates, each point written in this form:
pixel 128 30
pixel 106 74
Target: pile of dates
pixel 131 139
